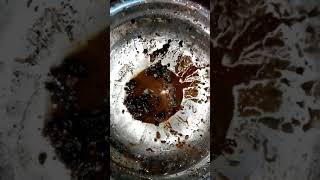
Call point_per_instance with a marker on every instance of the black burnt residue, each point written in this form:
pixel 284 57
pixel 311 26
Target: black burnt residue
pixel 162 51
pixel 181 43
pixel 77 126
pixel 300 70
pixel 42 158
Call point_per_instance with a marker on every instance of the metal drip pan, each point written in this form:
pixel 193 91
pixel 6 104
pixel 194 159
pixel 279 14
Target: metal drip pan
pixel 173 33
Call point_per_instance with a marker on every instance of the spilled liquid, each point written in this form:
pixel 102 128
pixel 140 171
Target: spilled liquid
pixel 155 94
pixel 78 121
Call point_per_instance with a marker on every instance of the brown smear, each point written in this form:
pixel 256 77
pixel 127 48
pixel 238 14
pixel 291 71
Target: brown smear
pixel 229 43
pixel 155 94
pixel 78 121
pixel 225 78
pixel 158 136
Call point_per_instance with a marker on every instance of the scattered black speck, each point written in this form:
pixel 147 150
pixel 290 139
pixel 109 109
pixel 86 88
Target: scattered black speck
pixel 301 104
pixel 139 36
pixel 233 162
pixel 181 43
pixel 287 128
pixel 314 12
pixel 285 81
pixel 145 51
pixel 29 3
pixel 310 29
pixel 296 122
pixel 68 30
pixel 36 9
pixel 300 70
pixel 42 158
pixel 133 21
pixel 122 111
pixel 157 34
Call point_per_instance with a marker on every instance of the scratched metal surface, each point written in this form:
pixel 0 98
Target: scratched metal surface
pixel 134 152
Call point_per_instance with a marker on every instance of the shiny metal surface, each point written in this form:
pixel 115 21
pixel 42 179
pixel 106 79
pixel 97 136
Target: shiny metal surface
pixel 182 151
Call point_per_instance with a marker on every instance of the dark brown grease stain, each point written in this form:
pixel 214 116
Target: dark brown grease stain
pixel 78 124
pixel 270 98
pixel 155 94
pixel 225 78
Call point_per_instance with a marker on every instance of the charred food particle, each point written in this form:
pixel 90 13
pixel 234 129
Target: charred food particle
pixel 300 70
pixel 162 51
pixel 42 158
pixel 181 43
pixel 150 150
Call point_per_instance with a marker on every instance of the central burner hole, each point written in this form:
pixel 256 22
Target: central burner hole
pixel 154 95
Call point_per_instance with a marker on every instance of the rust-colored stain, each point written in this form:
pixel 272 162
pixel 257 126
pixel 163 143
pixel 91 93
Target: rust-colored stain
pixel 158 136
pixel 155 94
